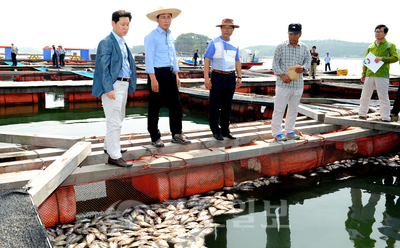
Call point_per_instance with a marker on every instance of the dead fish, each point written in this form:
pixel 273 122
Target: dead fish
pixel 113 245
pixel 298 176
pixel 192 244
pixel 207 231
pixel 126 241
pixel 199 241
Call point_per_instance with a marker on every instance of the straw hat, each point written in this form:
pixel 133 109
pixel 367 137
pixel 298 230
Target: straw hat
pixel 228 22
pixel 153 15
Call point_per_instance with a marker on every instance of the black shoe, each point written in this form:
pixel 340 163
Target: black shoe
pixel 229 136
pixel 122 151
pixel 218 136
pixel 119 162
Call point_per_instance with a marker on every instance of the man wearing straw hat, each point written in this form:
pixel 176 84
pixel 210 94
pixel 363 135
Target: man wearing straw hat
pixel 163 79
pixel 115 78
pixel 226 62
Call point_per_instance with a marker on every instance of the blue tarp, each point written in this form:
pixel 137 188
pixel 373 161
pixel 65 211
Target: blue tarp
pixel 85 74
pixel 10 63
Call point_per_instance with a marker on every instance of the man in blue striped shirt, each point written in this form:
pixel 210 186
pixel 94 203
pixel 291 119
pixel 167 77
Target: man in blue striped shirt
pixel 224 55
pixel 163 79
pixel 287 91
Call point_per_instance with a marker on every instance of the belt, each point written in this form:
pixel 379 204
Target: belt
pixel 170 68
pixel 225 72
pixel 124 79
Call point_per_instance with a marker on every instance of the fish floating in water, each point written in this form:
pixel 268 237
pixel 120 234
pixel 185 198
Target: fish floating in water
pixel 183 222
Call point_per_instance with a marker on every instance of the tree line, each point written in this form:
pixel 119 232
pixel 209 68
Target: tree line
pixel 188 43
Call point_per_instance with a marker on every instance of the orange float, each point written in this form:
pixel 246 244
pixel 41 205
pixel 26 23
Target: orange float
pixel 59 207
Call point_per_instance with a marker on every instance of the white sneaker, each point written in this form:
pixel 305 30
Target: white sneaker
pixel 292 136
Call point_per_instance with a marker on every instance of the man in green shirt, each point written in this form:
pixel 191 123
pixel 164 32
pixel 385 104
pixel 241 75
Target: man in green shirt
pixel 387 53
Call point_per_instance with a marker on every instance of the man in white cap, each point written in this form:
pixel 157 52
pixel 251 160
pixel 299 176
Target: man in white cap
pixel 226 62
pixel 163 79
pixel 287 91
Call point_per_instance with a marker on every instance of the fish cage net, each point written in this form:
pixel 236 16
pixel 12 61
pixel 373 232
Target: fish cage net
pixel 154 188
pixel 154 184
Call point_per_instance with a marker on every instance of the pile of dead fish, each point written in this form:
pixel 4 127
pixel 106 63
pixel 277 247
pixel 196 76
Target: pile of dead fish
pixel 249 185
pixel 183 222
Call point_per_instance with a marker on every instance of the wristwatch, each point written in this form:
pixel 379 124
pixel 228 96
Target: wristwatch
pixel 239 77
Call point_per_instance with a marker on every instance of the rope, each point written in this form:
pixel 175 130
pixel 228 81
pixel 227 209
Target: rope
pixel 95 137
pixel 204 144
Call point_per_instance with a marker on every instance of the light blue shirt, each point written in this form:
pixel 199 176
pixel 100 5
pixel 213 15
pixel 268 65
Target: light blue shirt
pixel 286 55
pixel 327 59
pixel 125 69
pixel 223 54
pixel 160 50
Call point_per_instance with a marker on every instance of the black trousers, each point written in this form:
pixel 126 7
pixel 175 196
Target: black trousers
pixel 14 59
pixel 167 96
pixel 328 65
pixel 221 94
pixel 396 105
pixel 62 56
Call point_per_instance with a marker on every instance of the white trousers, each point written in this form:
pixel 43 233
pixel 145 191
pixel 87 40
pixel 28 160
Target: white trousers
pixel 283 97
pixel 114 111
pixel 382 87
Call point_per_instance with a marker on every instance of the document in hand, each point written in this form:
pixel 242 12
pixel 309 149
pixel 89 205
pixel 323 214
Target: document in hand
pixel 292 72
pixel 369 61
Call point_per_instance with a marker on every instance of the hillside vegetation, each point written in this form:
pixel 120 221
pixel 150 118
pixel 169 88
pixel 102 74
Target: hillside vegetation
pixel 188 43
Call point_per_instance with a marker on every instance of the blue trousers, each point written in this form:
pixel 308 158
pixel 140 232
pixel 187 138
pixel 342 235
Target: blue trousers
pixel 221 94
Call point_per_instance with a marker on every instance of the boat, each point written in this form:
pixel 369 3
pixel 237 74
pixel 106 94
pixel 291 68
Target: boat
pixel 249 59
pixel 188 62
pixel 342 72
pixel 330 72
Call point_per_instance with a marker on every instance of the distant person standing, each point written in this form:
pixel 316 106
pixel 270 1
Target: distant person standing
pixel 394 113
pixel 163 79
pixel 387 53
pixel 195 56
pixel 315 58
pixel 224 55
pixel 327 61
pixel 56 55
pixel 288 92
pixel 62 55
pixel 115 78
pixel 14 52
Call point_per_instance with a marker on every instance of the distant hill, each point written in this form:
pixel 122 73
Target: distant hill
pixel 336 48
pixel 28 50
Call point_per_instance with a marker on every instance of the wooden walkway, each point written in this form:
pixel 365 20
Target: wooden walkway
pixel 20 164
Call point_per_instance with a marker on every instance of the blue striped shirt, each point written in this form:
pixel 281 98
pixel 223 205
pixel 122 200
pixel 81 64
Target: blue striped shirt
pixel 125 69
pixel 223 54
pixel 286 55
pixel 160 50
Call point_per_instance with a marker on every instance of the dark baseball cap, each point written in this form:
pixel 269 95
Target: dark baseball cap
pixel 294 28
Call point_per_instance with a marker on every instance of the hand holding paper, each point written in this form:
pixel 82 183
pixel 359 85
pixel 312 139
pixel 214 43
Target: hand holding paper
pixel 293 74
pixel 369 61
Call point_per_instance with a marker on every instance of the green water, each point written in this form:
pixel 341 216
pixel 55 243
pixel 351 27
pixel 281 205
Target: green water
pixel 356 207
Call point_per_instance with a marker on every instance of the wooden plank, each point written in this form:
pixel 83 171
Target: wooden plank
pixel 16 180
pixel 135 152
pixel 314 114
pixel 48 180
pixel 376 125
pixel 59 141
pixel 39 153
